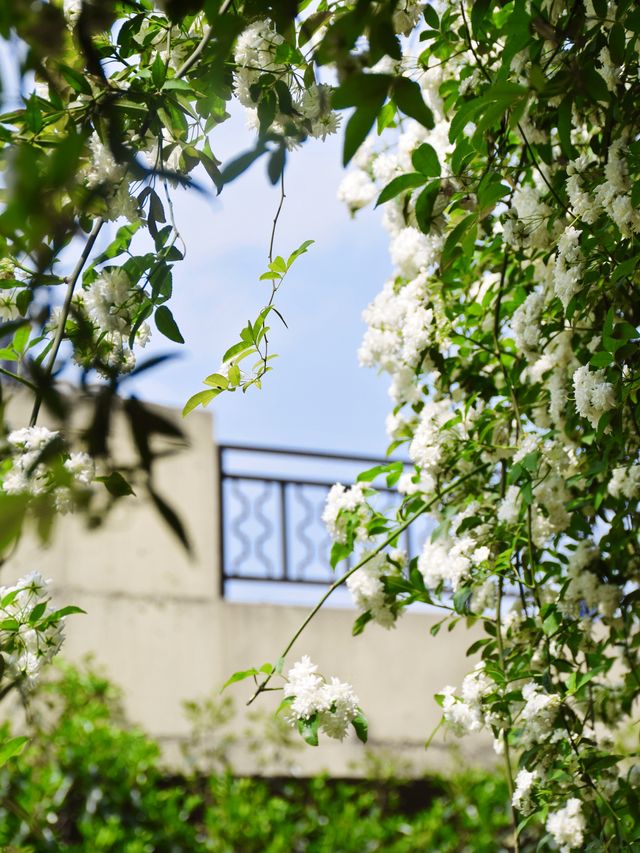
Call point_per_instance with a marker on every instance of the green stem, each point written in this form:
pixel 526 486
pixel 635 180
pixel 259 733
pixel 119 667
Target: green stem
pixel 66 308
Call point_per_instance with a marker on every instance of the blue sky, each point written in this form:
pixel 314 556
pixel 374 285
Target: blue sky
pixel 317 396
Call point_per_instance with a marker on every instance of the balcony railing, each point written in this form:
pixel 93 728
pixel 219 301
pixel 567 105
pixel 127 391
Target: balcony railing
pixel 271 502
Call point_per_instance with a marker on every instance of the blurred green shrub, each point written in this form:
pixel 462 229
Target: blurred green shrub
pixel 88 781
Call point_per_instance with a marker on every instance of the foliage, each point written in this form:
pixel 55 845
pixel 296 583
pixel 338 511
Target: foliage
pixel 91 782
pixel 501 138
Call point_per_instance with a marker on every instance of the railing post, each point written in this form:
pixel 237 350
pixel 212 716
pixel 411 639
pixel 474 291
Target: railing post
pixel 223 568
pixel 283 530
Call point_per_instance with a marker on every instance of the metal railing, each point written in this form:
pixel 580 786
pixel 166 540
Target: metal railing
pixel 270 507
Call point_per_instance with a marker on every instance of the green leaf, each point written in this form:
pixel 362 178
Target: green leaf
pixel 167 325
pixel 217 380
pixel 431 17
pixel 361 727
pixel 386 117
pixel 11 748
pixel 425 160
pixel 116 484
pixel 309 729
pixel 362 90
pixel 69 610
pixel 425 204
pixel 241 675
pixel 400 184
pixel 202 398
pixel 176 83
pixel 339 551
pixel 37 612
pixel 356 131
pixel 407 95
pixel 301 250
pixel 360 622
pixel 240 164
pixel 158 71
pixel 75 79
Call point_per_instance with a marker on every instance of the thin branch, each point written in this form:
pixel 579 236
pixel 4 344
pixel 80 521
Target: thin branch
pixel 277 216
pixel 341 580
pixel 204 41
pixel 71 283
pixel 18 378
pixel 191 60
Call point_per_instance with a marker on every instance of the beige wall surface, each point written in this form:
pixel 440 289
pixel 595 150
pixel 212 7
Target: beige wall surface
pixel 156 623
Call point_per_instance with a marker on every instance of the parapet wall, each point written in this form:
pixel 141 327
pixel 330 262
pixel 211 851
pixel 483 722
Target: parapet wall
pixel 156 623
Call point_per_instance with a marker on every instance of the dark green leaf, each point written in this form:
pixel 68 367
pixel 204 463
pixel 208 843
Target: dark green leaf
pixel 408 97
pixel 167 325
pixel 400 184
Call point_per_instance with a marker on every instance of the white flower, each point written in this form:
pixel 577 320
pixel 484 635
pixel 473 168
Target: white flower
pixel 538 714
pixel 466 714
pixel 334 702
pixel 367 589
pixel 413 252
pixel 567 825
pixel 357 190
pixel 342 500
pixel 625 481
pixel 508 508
pixel 521 799
pixel 110 300
pixel 28 647
pixel 568 268
pixel 406 15
pixel 593 395
pixel 526 323
pixel 72 9
pixel 81 467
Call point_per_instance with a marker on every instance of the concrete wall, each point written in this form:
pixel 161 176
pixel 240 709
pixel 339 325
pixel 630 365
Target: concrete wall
pixel 156 623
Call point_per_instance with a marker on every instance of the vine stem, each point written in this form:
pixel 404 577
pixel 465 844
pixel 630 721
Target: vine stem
pixel 57 341
pixel 505 735
pixel 343 578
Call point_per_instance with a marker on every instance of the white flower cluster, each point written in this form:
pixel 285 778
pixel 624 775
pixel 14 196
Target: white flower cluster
pixel 614 196
pixel 567 825
pixel 526 224
pixel 111 177
pixel 333 702
pixel 569 266
pixel 509 506
pixel 466 714
pixel 256 55
pixel 112 304
pixel 367 589
pixel 427 446
pixel 554 368
pixel 406 15
pixel 400 327
pixel 582 203
pixel 538 714
pixel 28 475
pixel 551 493
pixel 526 323
pixel 451 559
pixel 584 589
pixel 625 481
pixel 33 643
pixel 521 799
pixel 593 395
pixel 345 506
